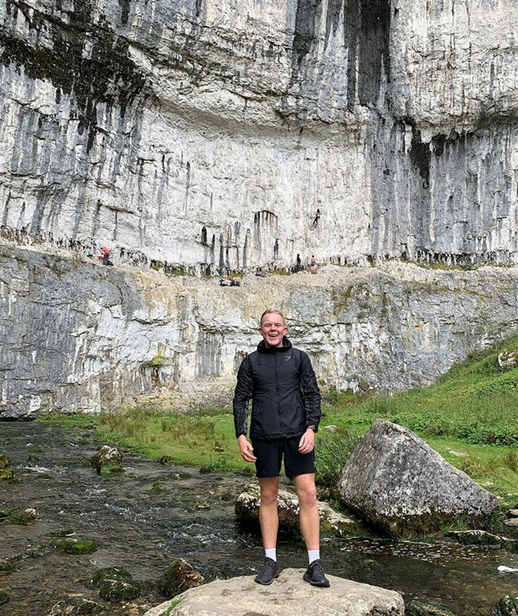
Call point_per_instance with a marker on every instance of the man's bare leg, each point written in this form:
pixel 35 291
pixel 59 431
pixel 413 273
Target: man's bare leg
pixel 268 512
pixel 309 519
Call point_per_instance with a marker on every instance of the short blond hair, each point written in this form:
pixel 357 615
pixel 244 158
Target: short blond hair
pixel 272 311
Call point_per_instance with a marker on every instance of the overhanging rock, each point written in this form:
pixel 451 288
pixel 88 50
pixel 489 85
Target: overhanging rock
pixel 395 481
pixel 287 596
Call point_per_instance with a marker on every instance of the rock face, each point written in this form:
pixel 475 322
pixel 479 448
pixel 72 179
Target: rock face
pixel 207 133
pixel 247 510
pixel 287 596
pixel 398 483
pixel 77 336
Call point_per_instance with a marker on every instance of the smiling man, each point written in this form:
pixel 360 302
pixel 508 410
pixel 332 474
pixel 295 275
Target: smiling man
pixel 285 416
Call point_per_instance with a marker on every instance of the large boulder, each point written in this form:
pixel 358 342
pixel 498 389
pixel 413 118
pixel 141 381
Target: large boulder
pixel 247 510
pixel 287 596
pixel 396 482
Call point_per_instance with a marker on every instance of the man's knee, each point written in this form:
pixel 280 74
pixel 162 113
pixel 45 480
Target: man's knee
pixel 308 497
pixel 268 497
pixel 307 493
pixel 269 492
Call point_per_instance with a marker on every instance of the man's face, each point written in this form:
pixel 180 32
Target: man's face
pixel 273 329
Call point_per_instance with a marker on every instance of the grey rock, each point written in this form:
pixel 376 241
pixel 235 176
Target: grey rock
pixel 508 360
pixel 477 537
pixel 395 481
pixel 107 456
pixel 178 577
pixel 180 109
pixel 287 596
pixel 85 338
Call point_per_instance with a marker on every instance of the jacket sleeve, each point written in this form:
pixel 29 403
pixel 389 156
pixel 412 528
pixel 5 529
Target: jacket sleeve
pixel 242 395
pixel 310 393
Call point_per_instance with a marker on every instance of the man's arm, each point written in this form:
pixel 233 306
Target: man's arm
pixel 242 395
pixel 310 393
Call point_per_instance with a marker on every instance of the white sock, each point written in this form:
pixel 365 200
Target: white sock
pixel 313 555
pixel 271 553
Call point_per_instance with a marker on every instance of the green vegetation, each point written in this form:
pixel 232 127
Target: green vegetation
pixel 17 516
pixel 170 609
pixel 76 546
pixel 7 566
pixel 469 416
pixel 205 439
pixel 475 402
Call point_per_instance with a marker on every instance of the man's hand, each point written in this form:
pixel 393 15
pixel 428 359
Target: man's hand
pixel 307 442
pixel 246 449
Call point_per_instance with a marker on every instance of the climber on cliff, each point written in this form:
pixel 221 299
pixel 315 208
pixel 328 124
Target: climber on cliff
pixel 318 213
pixel 285 415
pixel 105 256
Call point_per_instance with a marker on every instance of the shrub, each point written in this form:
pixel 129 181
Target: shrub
pixel 333 451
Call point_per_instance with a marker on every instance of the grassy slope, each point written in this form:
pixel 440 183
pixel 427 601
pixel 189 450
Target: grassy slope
pixel 472 411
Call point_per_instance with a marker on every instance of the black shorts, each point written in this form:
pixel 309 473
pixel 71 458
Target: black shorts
pixel 269 454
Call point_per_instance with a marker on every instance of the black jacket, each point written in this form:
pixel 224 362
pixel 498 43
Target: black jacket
pixel 284 392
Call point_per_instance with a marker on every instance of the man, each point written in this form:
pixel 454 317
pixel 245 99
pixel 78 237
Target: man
pixel 285 417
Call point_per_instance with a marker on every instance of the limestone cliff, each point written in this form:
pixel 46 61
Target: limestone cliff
pixel 207 133
pixel 201 136
pixel 77 336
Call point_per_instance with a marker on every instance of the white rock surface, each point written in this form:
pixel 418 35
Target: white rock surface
pixel 287 596
pixel 208 133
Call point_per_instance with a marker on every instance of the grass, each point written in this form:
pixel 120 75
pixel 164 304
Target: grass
pixel 474 402
pixel 205 439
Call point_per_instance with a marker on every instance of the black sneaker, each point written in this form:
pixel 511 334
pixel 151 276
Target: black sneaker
pixel 268 573
pixel 315 574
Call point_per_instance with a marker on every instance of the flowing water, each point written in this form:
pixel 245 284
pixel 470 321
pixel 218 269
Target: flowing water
pixel 143 526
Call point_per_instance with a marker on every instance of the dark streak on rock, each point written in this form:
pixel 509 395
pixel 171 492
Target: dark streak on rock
pixel 374 53
pixel 103 75
pixel 125 9
pixel 351 38
pixel 304 35
pixel 421 156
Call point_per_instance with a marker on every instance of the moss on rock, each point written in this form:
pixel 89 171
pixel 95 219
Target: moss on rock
pixel 76 546
pixel 110 573
pixel 119 590
pixel 7 566
pixel 14 516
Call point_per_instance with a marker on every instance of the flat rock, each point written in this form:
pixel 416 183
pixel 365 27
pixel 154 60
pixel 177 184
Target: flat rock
pixel 287 596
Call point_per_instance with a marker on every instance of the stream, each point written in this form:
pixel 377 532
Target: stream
pixel 143 526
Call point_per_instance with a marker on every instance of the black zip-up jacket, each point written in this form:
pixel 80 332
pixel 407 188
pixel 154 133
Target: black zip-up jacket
pixel 284 391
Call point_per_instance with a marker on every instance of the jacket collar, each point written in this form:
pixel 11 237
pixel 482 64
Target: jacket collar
pixel 262 348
